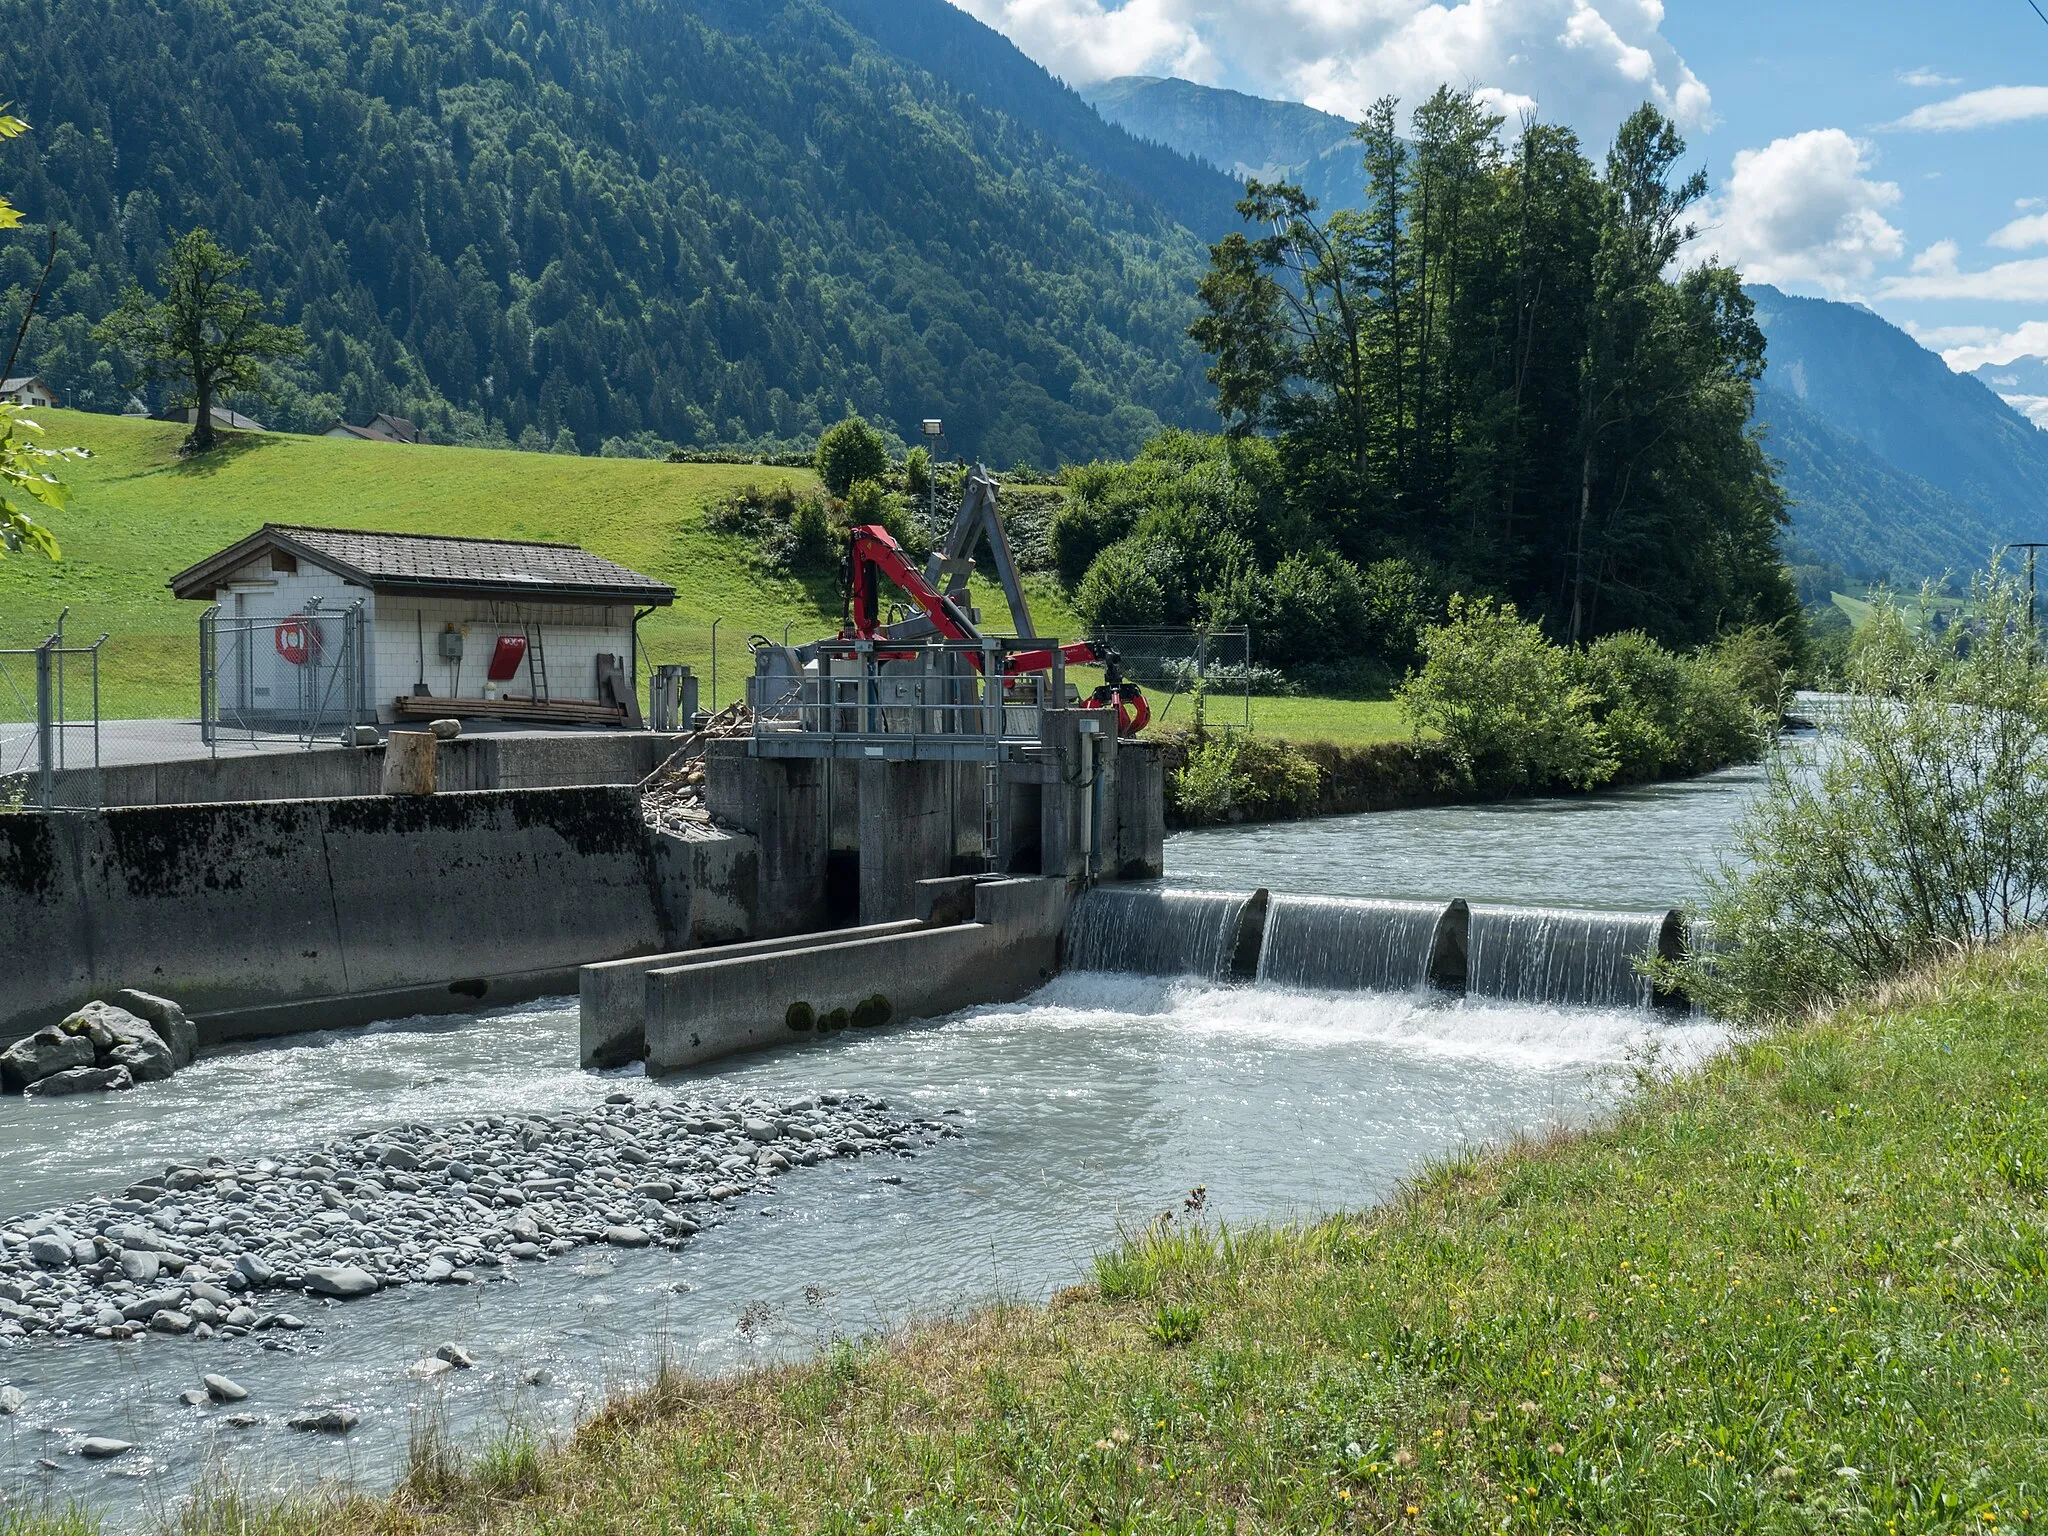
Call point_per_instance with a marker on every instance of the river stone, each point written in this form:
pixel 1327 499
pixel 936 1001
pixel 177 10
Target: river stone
pixel 343 1280
pixel 437 1271
pixel 257 1268
pixel 456 1356
pixel 82 1080
pixel 759 1130
pixel 428 1369
pixel 143 1308
pixel 12 1400
pixel 166 1018
pixel 139 1265
pixel 327 1421
pixel 169 1321
pixel 47 1051
pixel 50 1250
pixel 222 1390
pixel 625 1237
pixel 147 1060
pixel 100 1448
pixel 193 1397
pixel 399 1158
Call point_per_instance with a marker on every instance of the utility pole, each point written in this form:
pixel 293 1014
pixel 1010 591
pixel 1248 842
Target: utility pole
pixel 2031 550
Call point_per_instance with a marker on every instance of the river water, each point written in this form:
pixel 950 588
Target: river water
pixel 1089 1108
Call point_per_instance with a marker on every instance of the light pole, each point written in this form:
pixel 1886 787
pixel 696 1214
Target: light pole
pixel 934 436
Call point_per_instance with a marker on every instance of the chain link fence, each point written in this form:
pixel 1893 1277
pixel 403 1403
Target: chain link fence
pixel 299 679
pixel 1192 675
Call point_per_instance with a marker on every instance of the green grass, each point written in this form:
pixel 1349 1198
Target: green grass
pixel 1803 1289
pixel 137 514
pixel 1855 608
pixel 1347 722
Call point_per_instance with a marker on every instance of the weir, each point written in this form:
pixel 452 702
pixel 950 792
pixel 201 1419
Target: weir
pixel 1556 955
pixel 1364 944
pixel 1157 932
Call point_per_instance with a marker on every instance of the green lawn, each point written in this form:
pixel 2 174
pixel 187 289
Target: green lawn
pixel 137 514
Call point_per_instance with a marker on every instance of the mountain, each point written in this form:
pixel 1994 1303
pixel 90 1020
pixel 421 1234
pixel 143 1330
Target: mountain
pixel 1248 136
pixel 971 57
pixel 617 223
pixel 1910 446
pixel 2021 384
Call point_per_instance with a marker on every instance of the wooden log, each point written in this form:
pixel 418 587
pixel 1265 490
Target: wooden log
pixel 409 758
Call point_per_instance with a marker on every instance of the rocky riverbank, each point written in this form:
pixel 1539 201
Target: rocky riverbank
pixel 218 1247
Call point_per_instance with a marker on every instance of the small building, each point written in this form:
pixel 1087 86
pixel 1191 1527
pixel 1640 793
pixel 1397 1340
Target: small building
pixel 380 428
pixel 28 390
pixel 224 420
pixel 489 628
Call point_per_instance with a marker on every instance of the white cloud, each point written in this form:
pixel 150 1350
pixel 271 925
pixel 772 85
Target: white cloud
pixel 2021 233
pixel 1937 275
pixel 1979 109
pixel 1583 62
pixel 1926 79
pixel 1987 345
pixel 1802 211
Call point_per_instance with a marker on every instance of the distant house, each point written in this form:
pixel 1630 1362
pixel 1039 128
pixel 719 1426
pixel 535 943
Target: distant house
pixel 449 626
pixel 28 390
pixel 379 429
pixel 224 420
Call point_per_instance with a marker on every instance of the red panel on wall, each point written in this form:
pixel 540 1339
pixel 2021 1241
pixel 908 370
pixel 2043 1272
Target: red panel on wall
pixel 505 659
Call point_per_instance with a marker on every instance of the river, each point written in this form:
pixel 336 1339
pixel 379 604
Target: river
pixel 1089 1108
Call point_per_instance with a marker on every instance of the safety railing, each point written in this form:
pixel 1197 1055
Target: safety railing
pixel 883 699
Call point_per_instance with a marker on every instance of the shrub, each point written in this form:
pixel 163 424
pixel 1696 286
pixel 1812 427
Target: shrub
pixel 1316 610
pixel 1398 601
pixel 1238 777
pixel 1505 702
pixel 1921 830
pixel 917 472
pixel 851 451
pixel 1122 588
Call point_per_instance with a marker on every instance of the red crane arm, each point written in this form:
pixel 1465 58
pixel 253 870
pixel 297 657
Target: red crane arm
pixel 874 549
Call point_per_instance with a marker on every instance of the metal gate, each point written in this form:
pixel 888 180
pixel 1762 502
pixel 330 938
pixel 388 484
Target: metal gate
pixel 300 677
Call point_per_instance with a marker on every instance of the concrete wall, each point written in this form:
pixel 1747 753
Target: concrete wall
pixel 1137 851
pixel 572 635
pixel 612 997
pixel 725 1002
pixel 263 915
pixel 527 761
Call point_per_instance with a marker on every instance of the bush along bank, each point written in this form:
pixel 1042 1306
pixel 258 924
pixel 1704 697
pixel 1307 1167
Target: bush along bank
pixel 1499 709
pixel 1799 1289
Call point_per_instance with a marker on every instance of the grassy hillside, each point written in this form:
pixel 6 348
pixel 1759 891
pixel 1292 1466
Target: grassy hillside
pixel 137 514
pixel 1799 1290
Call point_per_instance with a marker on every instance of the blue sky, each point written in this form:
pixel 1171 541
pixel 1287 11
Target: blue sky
pixel 1888 153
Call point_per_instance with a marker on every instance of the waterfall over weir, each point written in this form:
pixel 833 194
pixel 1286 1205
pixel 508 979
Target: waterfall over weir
pixel 1359 944
pixel 1212 934
pixel 1555 955
pixel 1368 944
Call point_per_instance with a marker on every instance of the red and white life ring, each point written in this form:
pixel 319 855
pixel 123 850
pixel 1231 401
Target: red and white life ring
pixel 298 640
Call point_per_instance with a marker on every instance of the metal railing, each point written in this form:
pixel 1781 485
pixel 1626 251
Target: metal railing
pixel 937 699
pixel 38 693
pixel 300 677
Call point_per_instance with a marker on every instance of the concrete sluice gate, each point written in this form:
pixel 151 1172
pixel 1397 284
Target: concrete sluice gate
pixel 1360 944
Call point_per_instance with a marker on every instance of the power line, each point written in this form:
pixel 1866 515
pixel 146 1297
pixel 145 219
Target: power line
pixel 2038 11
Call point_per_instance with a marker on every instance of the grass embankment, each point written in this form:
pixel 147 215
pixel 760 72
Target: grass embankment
pixel 1801 1289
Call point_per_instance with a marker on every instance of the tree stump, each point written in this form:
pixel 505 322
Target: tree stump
pixel 409 763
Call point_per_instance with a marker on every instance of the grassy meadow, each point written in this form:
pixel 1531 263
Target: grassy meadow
pixel 1802 1288
pixel 136 514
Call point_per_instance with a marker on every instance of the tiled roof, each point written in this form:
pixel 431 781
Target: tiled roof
pixel 429 561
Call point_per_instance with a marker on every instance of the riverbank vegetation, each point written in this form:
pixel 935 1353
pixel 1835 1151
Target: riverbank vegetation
pixel 1800 1287
pixel 1920 831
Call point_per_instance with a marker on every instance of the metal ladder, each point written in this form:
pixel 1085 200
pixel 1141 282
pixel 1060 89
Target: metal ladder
pixel 536 663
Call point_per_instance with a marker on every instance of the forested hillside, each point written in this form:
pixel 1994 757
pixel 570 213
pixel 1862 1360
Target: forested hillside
pixel 570 222
pixel 1247 136
pixel 1876 385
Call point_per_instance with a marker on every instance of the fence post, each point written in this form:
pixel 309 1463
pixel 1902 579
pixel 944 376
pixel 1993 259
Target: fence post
pixel 45 744
pixel 209 680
